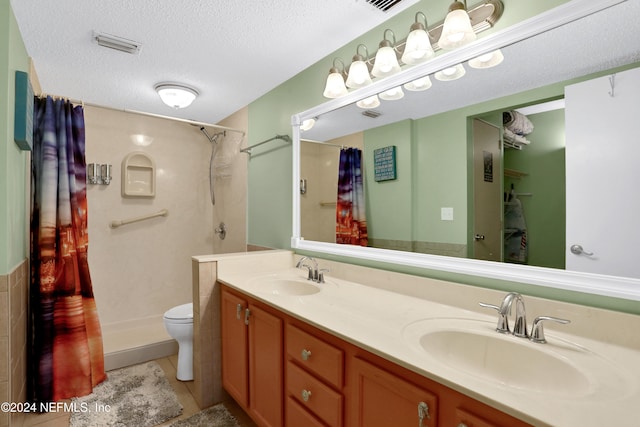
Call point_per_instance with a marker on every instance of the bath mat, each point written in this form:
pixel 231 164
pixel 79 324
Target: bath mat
pixel 138 395
pixel 216 416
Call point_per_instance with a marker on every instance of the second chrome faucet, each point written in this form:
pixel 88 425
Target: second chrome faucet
pixel 315 274
pixel 520 321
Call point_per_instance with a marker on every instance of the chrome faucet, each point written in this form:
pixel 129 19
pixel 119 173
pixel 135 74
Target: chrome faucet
pixel 315 274
pixel 504 310
pixel 520 323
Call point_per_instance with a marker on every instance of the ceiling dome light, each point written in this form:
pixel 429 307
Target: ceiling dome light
pixel 456 30
pixel 423 83
pixel 451 73
pixel 358 70
pixel 418 47
pixel 487 60
pixel 370 102
pixel 386 62
pixel 176 95
pixel 307 124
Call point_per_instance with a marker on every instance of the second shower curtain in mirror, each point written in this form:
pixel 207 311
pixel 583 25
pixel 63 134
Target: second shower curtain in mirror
pixel 351 221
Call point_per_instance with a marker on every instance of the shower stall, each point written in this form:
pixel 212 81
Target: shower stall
pixel 143 268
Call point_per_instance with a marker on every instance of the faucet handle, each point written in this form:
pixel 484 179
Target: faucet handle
pixel 321 274
pixel 503 324
pixel 537 331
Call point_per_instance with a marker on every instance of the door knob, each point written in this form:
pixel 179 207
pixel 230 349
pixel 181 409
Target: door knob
pixel 479 237
pixel 579 250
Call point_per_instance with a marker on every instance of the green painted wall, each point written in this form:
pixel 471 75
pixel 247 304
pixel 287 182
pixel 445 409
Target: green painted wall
pixel 14 163
pixel 390 200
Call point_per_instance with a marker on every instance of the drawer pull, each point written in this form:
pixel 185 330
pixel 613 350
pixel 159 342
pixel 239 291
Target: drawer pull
pixel 306 394
pixel 423 411
pixel 306 354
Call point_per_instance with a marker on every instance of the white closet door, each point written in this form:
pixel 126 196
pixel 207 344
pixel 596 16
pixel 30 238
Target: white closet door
pixel 603 175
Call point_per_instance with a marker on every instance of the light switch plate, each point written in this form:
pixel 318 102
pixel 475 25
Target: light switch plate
pixel 446 214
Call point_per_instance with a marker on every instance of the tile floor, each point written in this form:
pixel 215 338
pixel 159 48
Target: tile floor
pixel 183 391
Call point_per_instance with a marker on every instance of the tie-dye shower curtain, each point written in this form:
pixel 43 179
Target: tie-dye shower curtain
pixel 66 355
pixel 351 221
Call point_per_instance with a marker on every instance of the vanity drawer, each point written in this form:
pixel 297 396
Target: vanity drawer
pixel 314 395
pixel 296 415
pixel 315 355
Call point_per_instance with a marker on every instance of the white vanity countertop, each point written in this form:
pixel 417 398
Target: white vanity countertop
pixel 380 321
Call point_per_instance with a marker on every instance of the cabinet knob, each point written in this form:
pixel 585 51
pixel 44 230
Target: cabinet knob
pixel 238 311
pixel 247 313
pixel 306 354
pixel 306 394
pixel 462 425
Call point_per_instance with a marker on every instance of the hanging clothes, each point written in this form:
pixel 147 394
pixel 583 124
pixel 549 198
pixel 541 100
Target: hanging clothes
pixel 66 353
pixel 516 247
pixel 351 222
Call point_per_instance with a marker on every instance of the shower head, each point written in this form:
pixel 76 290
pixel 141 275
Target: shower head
pixel 212 138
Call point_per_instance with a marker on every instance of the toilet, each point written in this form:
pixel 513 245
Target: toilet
pixel 178 321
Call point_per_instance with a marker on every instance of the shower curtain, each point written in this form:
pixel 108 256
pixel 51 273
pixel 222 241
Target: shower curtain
pixel 66 355
pixel 351 222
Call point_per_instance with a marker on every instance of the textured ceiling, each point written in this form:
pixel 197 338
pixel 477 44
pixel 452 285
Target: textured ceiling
pixel 232 52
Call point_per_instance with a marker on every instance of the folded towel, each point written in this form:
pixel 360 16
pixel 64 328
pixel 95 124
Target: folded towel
pixel 517 122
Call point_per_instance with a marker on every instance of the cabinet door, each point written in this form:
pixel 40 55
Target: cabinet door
pixel 265 367
pixel 383 399
pixel 235 364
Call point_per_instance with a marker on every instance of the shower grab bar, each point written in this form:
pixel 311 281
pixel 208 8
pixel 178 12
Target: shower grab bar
pixel 282 137
pixel 116 224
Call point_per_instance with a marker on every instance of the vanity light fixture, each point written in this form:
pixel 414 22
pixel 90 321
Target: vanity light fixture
pixel 370 102
pixel 451 73
pixel 335 87
pixel 423 83
pixel 386 62
pixel 456 30
pixel 487 60
pixel 418 47
pixel 176 95
pixel 359 70
pixel 392 94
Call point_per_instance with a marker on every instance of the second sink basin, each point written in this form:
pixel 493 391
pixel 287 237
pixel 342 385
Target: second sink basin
pixel 474 348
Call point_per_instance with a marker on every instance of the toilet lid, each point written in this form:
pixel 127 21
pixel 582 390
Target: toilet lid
pixel 184 311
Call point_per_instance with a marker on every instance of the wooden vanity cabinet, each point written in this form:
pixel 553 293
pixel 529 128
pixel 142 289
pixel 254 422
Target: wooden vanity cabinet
pixel 285 372
pixel 252 355
pixel 314 376
pixel 380 398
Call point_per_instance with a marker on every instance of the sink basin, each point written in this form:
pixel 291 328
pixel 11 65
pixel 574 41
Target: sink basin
pixel 282 286
pixel 475 349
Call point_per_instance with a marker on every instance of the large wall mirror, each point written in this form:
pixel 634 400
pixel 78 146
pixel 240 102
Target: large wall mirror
pixel 420 225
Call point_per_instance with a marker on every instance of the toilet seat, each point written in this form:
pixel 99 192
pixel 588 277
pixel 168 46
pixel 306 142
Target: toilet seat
pixel 180 314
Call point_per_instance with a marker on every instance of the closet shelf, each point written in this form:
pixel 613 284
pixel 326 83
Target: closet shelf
pixel 514 173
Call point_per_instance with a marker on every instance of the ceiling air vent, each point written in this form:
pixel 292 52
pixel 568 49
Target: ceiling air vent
pixel 372 114
pixel 117 43
pixel 384 5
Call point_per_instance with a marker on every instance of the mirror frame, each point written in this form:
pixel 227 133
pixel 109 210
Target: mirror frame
pixel 610 286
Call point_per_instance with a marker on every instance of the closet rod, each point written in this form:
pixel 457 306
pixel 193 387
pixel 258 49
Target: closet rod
pixel 247 150
pixel 142 113
pixel 116 224
pixel 313 141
